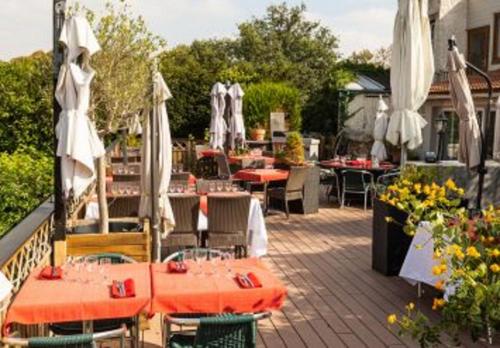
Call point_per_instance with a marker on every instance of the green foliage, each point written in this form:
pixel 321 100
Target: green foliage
pixel 294 149
pixel 25 182
pixel 26 103
pixel 263 98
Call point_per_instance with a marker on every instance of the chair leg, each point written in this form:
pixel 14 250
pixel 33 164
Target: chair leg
pixel 287 210
pixel 366 200
pixel 342 201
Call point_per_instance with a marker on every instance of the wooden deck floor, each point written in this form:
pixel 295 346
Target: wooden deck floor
pixel 335 299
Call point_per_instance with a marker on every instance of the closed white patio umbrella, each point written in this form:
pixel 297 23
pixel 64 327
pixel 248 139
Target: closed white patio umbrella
pixel 412 70
pixel 161 94
pixel 461 97
pixel 78 143
pixel 237 124
pixel 496 145
pixel 381 120
pixel 218 126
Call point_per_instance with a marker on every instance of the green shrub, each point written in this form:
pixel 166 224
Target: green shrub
pixel 263 98
pixel 25 181
pixel 294 149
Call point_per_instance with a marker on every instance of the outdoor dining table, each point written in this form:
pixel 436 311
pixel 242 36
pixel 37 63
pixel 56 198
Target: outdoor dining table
pixel 268 161
pixel 358 165
pixel 262 176
pixel 213 289
pixel 74 298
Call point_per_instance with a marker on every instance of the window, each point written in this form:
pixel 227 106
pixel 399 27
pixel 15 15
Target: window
pixel 452 131
pixel 478 47
pixel 496 39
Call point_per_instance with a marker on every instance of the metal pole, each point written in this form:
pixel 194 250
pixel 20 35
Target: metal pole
pixel 154 179
pixel 59 7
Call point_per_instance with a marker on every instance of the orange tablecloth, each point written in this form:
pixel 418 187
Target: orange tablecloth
pixel 261 175
pixel 210 153
pixel 189 293
pixel 52 301
pixel 238 159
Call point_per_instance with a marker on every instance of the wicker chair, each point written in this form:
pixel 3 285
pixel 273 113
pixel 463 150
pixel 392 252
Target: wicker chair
pixel 124 206
pixel 126 177
pixel 69 329
pixel 357 182
pixel 228 222
pixel 223 169
pixel 226 330
pixel 182 177
pixel 76 341
pixel 204 253
pixel 206 168
pixel 293 189
pixel 186 209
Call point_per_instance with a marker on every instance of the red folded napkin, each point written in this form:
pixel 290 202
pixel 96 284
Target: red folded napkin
pixel 248 281
pixel 123 289
pixel 51 273
pixel 177 267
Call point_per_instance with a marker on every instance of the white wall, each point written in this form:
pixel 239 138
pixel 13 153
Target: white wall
pixel 481 13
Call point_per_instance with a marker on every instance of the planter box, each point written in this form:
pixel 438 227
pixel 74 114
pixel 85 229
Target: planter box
pixel 389 244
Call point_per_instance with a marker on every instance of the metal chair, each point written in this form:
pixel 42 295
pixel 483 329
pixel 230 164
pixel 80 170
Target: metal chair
pixel 385 180
pixel 293 189
pixel 76 341
pixel 205 254
pixel 186 209
pixel 330 179
pixel 225 330
pixel 223 169
pixel 358 182
pixel 228 222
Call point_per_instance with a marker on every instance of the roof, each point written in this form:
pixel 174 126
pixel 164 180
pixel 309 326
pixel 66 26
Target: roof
pixel 477 84
pixel 365 83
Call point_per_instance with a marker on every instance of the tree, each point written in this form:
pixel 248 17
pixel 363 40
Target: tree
pixel 123 77
pixel 26 103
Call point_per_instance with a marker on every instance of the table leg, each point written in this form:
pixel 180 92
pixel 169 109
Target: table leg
pixel 266 208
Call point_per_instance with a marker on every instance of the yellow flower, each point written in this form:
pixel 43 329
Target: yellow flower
pixel 491 239
pixel 495 253
pixel 472 252
pixel 410 306
pixel 437 303
pixel 392 319
pixel 383 197
pixel 459 254
pixel 406 182
pixel 439 285
pixel 439 269
pixel 460 192
pixel 417 187
pixel 427 189
pixel 450 184
pixel 495 268
pixel 437 254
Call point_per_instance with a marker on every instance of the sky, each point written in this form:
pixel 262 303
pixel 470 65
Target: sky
pixel 26 25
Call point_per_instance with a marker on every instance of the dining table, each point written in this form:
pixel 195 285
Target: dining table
pixel 80 295
pixel 263 177
pixel 212 288
pixel 358 165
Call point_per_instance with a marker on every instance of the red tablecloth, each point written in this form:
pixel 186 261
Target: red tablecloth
pixel 261 175
pixel 210 153
pixel 357 165
pixel 190 293
pixel 238 159
pixel 51 301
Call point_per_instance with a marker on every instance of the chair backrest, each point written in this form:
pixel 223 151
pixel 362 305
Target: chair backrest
pixel 356 180
pixel 238 331
pixel 114 257
pixel 126 206
pixel 228 213
pixel 180 176
pixel 223 170
pixel 253 163
pixel 296 179
pixel 186 209
pixel 200 252
pixel 206 167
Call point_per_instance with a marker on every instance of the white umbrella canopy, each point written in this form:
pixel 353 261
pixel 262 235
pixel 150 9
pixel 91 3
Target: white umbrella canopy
pixel 135 126
pixel 412 70
pixel 161 94
pixel 78 143
pixel 379 130
pixel 461 97
pixel 237 124
pixel 218 127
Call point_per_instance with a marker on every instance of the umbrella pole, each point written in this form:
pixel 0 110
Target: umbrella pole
pixel 154 193
pixel 59 7
pixel 404 155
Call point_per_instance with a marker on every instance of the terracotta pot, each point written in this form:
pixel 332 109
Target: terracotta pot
pixel 257 134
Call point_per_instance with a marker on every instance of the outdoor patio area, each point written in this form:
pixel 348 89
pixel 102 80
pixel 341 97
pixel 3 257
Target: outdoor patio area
pixel 334 297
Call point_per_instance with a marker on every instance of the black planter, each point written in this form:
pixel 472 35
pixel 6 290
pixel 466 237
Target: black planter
pixel 390 244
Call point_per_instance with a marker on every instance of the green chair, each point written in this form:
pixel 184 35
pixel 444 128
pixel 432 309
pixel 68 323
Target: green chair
pixel 226 330
pixel 73 341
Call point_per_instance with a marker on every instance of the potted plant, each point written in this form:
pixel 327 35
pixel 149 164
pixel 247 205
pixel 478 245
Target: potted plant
pixel 398 210
pixel 258 133
pixel 468 251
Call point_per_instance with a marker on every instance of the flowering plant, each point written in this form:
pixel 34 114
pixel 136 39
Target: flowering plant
pixel 469 271
pixel 415 193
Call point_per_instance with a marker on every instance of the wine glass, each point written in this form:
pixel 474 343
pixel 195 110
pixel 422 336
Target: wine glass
pixel 227 186
pixel 220 186
pixel 104 264
pixel 211 186
pixel 90 266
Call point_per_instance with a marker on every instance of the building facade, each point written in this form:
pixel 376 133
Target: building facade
pixel 475 24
